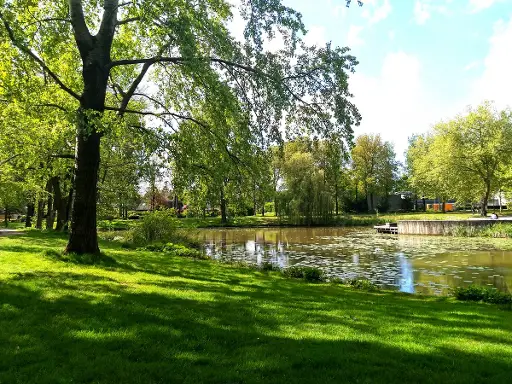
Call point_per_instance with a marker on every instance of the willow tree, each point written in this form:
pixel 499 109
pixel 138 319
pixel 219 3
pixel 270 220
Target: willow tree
pixel 169 56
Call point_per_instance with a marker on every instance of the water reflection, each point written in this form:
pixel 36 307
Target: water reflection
pixel 429 265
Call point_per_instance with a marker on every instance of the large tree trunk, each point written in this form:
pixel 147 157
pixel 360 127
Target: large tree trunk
pixel 95 55
pixel 6 217
pixel 84 237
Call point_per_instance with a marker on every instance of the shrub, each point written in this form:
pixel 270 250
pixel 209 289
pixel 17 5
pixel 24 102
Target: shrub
pixel 270 207
pixel 158 226
pixel 181 250
pixel 363 284
pixel 294 272
pixel 269 267
pixel 307 273
pixel 175 249
pixel 477 293
pixel 471 293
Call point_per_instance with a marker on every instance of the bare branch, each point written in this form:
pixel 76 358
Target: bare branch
pixel 36 58
pixel 157 114
pixel 180 60
pixel 127 97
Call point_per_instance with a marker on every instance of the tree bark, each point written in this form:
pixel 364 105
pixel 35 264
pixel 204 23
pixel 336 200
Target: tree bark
pixel 40 211
pixel 6 217
pixel 69 204
pixel 30 213
pixel 49 207
pixel 60 203
pixel 485 199
pixel 223 213
pixel 95 54
pixel 336 198
pixel 84 237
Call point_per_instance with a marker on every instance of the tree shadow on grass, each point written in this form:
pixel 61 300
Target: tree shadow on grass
pixel 64 327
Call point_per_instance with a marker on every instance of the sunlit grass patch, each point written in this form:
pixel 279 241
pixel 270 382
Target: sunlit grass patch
pixel 158 317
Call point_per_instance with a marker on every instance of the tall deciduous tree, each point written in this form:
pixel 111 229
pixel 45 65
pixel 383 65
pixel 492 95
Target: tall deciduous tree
pixel 469 155
pixel 375 166
pixel 187 51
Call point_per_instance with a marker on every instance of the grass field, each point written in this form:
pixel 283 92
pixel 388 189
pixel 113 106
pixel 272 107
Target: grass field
pixel 156 318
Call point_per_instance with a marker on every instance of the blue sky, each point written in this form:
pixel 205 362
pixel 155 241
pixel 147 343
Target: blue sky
pixel 421 61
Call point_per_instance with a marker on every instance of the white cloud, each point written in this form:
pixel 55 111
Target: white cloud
pixel 353 36
pixel 376 10
pixel 472 65
pixel 423 9
pixel 316 36
pixel 421 12
pixel 393 103
pixel 495 82
pixel 479 5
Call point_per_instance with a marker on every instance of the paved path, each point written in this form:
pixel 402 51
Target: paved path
pixel 9 232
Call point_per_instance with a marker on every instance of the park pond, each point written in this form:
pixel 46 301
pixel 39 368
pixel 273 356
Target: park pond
pixel 413 264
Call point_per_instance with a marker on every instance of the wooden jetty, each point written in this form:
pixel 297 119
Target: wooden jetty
pixel 390 228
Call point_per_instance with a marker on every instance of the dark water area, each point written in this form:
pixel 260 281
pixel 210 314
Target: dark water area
pixel 413 264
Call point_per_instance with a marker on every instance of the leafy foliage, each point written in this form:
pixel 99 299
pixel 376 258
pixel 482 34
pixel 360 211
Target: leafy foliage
pixel 310 274
pixel 374 166
pixel 158 226
pixel 465 158
pixel 477 293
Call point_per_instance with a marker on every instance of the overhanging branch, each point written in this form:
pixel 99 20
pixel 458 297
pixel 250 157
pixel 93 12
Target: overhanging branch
pixel 9 159
pixel 36 58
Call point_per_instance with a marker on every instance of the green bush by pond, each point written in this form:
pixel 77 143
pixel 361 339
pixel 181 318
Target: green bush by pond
pixel 487 295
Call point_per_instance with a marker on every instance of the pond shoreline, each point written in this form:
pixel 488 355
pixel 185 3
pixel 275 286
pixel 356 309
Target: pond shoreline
pixel 414 264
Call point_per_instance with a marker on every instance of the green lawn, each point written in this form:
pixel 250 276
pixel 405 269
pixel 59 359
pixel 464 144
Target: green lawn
pixel 154 318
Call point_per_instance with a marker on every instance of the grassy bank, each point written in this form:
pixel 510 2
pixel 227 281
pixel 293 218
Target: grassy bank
pixel 270 220
pixel 154 318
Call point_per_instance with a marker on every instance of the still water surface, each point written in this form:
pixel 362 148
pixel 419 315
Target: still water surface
pixel 414 264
